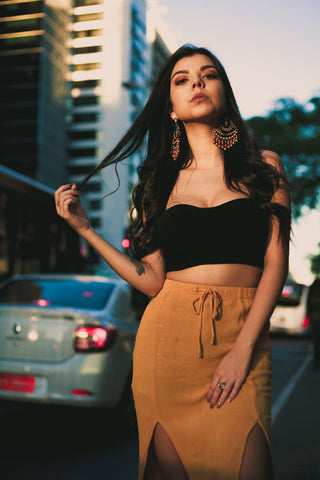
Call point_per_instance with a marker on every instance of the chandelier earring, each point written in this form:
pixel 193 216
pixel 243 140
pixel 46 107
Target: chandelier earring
pixel 175 144
pixel 225 135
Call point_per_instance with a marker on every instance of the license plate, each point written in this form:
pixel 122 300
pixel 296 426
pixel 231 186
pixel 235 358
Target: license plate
pixel 17 383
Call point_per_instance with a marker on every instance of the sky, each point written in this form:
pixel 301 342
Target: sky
pixel 270 50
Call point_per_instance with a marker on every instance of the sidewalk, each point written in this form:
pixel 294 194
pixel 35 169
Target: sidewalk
pixel 296 431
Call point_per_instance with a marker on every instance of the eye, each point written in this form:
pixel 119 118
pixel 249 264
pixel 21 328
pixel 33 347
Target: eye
pixel 211 75
pixel 181 81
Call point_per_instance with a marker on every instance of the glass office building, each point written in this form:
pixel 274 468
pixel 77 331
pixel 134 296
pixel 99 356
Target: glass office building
pixel 108 77
pixel 34 37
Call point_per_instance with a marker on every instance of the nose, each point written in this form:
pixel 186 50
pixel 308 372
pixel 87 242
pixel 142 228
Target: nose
pixel 198 83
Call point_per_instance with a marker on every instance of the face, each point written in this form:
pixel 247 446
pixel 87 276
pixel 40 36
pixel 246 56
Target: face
pixel 196 90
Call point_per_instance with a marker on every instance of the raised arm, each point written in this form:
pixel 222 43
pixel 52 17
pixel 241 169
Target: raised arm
pixel 147 275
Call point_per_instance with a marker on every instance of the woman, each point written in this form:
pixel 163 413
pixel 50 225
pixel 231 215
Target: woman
pixel 210 231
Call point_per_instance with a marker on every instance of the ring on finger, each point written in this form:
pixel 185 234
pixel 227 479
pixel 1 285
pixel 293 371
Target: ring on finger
pixel 221 385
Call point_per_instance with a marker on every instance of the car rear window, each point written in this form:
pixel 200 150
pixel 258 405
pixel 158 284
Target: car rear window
pixel 291 295
pixel 52 293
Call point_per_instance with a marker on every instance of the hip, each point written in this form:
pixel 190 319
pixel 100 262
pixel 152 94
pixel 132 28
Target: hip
pixel 196 321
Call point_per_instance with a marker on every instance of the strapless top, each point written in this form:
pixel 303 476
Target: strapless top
pixel 233 232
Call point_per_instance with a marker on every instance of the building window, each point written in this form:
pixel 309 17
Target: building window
pixel 91 187
pixel 87 66
pixel 95 205
pixel 88 33
pixel 15 43
pixel 20 9
pixel 82 152
pixel 95 222
pixel 83 135
pixel 24 25
pixel 80 170
pixel 82 50
pixel 92 100
pixel 88 17
pixel 83 3
pixel 87 83
pixel 86 117
pixel 21 112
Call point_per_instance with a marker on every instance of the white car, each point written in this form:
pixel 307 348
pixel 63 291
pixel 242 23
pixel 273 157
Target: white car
pixel 66 339
pixel 290 315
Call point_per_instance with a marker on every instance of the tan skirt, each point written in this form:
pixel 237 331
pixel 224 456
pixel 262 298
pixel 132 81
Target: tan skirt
pixel 184 333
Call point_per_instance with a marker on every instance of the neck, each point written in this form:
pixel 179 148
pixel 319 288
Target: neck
pixel 205 153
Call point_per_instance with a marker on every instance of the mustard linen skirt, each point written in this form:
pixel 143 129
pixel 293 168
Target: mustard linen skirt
pixel 184 333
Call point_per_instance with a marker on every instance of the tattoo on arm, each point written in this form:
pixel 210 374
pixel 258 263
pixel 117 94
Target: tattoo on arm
pixel 139 266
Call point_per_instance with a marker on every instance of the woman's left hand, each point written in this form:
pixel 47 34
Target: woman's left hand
pixel 231 371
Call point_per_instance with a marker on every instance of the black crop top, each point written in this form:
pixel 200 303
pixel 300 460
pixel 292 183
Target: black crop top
pixel 233 232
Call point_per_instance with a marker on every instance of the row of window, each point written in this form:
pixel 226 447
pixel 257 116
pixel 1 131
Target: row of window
pixel 22 60
pixel 82 50
pixel 12 9
pixel 87 66
pixel 88 17
pixel 15 131
pixel 93 117
pixel 91 100
pixel 82 152
pixel 86 83
pixel 96 32
pixel 83 135
pixel 25 25
pixel 84 3
pixel 16 43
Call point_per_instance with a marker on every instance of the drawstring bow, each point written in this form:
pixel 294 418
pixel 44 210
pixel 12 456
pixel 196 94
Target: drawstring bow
pixel 215 307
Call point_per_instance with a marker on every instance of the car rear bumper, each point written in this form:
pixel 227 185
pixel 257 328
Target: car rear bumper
pixel 83 380
pixel 291 330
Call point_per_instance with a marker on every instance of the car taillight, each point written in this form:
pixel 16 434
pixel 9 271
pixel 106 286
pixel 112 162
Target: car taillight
pixel 306 322
pixel 94 339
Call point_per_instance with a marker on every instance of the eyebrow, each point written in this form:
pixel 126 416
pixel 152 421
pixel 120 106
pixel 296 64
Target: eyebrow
pixel 187 71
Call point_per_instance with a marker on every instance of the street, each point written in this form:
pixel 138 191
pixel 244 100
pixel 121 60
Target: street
pixel 65 443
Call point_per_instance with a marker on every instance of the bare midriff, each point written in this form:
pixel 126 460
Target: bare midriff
pixel 230 275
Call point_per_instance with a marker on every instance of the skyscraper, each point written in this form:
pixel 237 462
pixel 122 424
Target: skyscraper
pixel 33 71
pixel 108 77
pixel 74 76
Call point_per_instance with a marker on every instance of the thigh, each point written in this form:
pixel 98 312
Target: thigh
pixel 257 460
pixel 163 462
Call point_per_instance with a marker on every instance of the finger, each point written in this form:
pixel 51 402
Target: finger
pixel 68 194
pixel 216 393
pixel 215 380
pixel 62 189
pixel 57 194
pixel 225 394
pixel 235 390
pixel 64 204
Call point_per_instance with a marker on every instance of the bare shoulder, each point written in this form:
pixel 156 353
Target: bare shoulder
pixel 282 195
pixel 273 159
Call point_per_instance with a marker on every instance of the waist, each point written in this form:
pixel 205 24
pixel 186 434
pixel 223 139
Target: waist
pixel 236 275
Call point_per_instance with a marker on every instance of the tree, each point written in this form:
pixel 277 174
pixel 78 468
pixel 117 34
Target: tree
pixel 315 263
pixel 293 131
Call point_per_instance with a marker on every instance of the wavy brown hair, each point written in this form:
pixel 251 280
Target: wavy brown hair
pixel 245 169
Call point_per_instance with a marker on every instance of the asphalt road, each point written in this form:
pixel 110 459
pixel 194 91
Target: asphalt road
pixel 55 443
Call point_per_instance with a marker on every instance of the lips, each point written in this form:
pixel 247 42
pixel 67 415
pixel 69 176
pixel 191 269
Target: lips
pixel 198 97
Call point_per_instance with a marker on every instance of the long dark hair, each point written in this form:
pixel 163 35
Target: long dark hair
pixel 245 170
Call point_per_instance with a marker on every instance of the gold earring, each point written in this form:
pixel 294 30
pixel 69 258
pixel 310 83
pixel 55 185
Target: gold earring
pixel 175 144
pixel 226 135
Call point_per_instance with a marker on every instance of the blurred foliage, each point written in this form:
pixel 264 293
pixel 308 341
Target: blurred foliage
pixel 315 263
pixel 293 131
